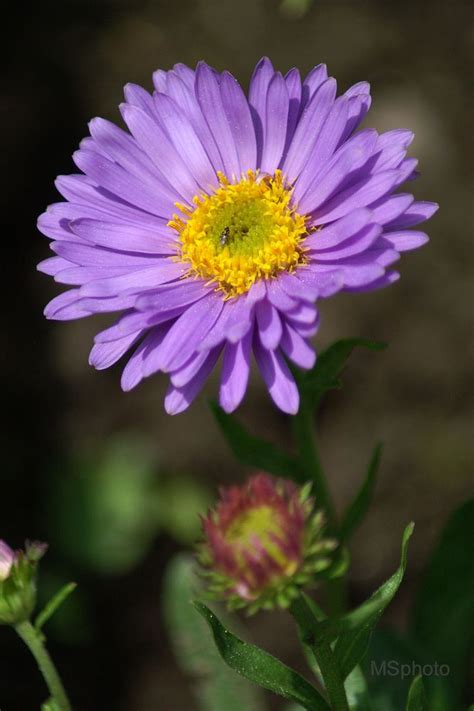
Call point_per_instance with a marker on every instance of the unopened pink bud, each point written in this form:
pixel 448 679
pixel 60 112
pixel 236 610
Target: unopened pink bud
pixel 7 558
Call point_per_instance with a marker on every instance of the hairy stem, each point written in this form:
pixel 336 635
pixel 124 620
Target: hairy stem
pixel 33 640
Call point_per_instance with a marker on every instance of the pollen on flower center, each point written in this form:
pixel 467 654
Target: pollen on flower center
pixel 242 232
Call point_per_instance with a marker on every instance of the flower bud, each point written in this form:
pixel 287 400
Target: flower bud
pixel 18 581
pixel 7 558
pixel 262 543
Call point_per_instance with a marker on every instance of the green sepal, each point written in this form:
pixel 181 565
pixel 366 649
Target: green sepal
pixel 53 605
pixel 417 700
pixel 261 667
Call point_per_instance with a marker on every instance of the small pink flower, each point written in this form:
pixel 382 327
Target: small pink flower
pixel 7 558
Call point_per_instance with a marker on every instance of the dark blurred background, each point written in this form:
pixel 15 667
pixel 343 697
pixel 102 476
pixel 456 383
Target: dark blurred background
pixel 107 478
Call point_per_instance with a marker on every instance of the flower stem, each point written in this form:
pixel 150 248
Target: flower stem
pixel 305 436
pixel 33 640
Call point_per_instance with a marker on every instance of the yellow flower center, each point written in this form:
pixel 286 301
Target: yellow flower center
pixel 241 233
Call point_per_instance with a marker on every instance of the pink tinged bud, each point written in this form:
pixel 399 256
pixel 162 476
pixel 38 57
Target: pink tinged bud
pixel 7 558
pixel 258 540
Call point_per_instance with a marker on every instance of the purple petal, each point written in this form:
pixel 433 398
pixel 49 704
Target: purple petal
pixel 269 325
pixel 156 144
pixel 232 324
pixel 324 146
pixel 358 243
pixel 404 240
pixel 182 293
pixel 297 348
pixel 133 371
pixel 293 85
pixel 121 148
pixel 64 307
pixel 312 82
pixel 131 238
pixel 137 96
pixel 339 231
pixel 259 84
pixel 178 399
pixel 91 255
pixel 389 208
pixel 308 129
pixel 327 284
pixel 238 115
pixel 276 124
pixel 52 266
pixel 278 297
pixel 186 142
pixel 235 373
pixel 295 288
pixel 413 215
pixel 121 183
pixel 78 189
pixel 103 355
pixel 363 193
pixel 185 97
pixel 135 281
pixel 380 283
pixel 210 101
pixel 278 379
pixel 186 334
pixel 347 159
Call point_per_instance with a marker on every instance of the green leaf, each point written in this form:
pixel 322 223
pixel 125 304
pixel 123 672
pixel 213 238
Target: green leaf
pixel 260 667
pixel 443 622
pixel 357 691
pixel 352 644
pixel 307 620
pixel 357 509
pixel 254 452
pixel 216 687
pixel 50 705
pixel 353 630
pixel 324 375
pixel 53 605
pixel 417 700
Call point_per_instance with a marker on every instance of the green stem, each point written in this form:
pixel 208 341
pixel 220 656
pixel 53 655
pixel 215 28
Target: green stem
pixel 34 642
pixel 305 436
pixel 327 663
pixel 303 427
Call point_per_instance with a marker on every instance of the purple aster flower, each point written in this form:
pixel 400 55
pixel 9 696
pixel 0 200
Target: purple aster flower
pixel 218 220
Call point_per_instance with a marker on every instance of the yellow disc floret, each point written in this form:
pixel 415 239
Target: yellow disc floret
pixel 242 232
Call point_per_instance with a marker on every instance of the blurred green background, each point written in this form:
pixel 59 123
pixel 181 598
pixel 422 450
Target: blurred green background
pixel 107 478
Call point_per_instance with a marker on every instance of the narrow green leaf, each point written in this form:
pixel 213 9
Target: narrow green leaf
pixel 50 705
pixel 254 452
pixel 443 621
pixel 324 375
pixel 357 691
pixel 260 667
pixel 54 604
pixel 352 644
pixel 353 630
pixel 358 508
pixel 307 618
pixel 417 700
